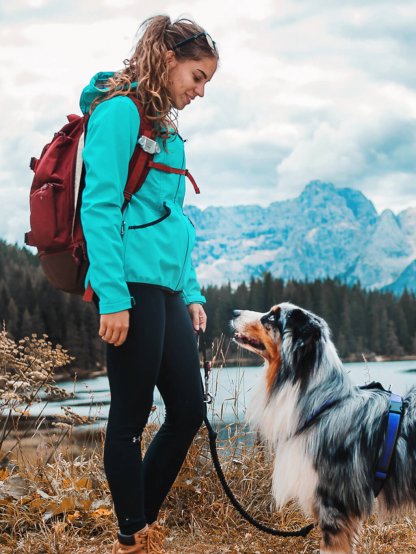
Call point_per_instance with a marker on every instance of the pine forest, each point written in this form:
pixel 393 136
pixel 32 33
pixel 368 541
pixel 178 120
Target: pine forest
pixel 369 323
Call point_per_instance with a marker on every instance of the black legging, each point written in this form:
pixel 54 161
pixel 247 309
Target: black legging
pixel 160 350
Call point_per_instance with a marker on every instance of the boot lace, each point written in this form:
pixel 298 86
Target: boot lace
pixel 149 542
pixel 155 538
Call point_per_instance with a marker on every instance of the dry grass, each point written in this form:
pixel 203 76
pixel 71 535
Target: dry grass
pixel 65 507
pixel 56 500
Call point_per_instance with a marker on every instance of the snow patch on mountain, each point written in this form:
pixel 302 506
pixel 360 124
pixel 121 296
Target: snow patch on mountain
pixel 324 232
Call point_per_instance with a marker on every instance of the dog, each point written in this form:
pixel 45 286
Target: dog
pixel 327 433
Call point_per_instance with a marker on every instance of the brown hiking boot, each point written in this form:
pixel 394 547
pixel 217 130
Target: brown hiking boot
pixel 147 541
pixel 160 533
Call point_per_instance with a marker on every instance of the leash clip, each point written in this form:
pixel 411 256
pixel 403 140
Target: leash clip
pixel 208 398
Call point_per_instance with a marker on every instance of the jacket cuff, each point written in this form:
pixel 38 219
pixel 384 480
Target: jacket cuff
pixel 112 307
pixel 193 299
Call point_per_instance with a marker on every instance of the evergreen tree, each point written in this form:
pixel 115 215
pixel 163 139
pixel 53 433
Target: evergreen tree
pixel 345 324
pixel 38 324
pixel 4 300
pixel 392 345
pixel 278 291
pixel 241 296
pixel 374 334
pixel 25 324
pixel 413 347
pixel 11 318
pixel 268 292
pixel 399 318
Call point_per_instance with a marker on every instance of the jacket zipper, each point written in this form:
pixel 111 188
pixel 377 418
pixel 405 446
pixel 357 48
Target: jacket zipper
pixel 187 229
pixel 186 257
pixel 182 167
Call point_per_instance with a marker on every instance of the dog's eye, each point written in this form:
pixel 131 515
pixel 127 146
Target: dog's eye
pixel 270 318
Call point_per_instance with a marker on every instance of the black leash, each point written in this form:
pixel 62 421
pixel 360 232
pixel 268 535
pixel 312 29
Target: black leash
pixel 304 531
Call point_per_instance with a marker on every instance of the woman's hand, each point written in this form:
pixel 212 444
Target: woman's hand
pixel 198 316
pixel 114 327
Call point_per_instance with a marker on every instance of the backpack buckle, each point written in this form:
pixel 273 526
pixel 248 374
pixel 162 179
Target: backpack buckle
pixel 148 145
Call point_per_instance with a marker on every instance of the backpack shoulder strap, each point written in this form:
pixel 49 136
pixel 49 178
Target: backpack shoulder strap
pixel 139 163
pixel 142 161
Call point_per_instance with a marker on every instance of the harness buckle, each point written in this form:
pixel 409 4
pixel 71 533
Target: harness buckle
pixel 396 406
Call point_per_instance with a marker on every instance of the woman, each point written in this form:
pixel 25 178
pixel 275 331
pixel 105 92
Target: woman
pixel 149 300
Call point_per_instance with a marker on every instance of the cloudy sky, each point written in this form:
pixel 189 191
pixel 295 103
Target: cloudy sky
pixel 306 89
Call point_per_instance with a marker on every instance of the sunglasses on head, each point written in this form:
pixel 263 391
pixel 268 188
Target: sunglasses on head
pixel 209 40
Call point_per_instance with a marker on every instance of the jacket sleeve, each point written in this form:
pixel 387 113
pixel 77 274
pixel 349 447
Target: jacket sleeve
pixel 110 142
pixel 191 291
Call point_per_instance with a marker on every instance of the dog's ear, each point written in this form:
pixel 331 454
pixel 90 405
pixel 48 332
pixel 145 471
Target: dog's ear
pixel 305 345
pixel 306 331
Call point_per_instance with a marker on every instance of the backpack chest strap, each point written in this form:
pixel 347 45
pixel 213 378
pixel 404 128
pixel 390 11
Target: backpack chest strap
pixel 168 169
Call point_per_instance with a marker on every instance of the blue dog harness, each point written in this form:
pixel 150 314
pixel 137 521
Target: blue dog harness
pixel 390 440
pixel 391 435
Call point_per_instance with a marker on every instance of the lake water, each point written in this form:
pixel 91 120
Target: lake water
pixel 231 388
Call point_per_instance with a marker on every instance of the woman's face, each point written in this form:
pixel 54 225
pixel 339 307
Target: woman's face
pixel 187 79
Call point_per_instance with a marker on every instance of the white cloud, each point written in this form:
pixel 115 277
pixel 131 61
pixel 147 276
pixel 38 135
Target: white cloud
pixel 305 90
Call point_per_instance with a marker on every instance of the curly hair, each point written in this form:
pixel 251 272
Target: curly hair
pixel 148 69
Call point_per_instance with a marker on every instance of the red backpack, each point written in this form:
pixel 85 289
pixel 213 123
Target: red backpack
pixel 56 193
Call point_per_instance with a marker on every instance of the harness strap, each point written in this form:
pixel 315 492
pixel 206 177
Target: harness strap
pixel 390 439
pixel 177 171
pixel 316 413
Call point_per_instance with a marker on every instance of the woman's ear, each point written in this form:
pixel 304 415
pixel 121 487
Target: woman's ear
pixel 170 59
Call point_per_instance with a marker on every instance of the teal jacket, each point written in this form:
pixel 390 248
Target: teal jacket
pixel 152 241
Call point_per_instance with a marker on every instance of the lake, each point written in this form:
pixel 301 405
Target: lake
pixel 231 388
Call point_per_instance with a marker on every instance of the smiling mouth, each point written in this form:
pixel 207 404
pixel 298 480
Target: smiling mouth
pixel 244 340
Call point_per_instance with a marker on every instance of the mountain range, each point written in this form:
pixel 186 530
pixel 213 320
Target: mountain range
pixel 325 232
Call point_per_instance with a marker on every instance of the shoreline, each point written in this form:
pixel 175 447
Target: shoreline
pixel 81 374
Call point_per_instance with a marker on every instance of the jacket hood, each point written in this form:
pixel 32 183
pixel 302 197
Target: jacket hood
pixel 96 88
